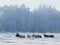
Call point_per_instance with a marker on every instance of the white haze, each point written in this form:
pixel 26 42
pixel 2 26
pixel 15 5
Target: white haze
pixel 32 4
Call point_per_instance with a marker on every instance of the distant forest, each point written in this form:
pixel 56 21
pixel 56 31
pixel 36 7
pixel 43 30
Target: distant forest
pixel 21 19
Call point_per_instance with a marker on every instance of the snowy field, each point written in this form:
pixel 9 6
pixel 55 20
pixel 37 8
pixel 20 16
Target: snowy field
pixel 10 39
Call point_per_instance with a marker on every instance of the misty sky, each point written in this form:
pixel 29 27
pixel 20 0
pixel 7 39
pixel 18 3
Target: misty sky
pixel 32 3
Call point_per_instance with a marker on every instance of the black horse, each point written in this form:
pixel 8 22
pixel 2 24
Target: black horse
pixel 51 36
pixel 48 36
pixel 17 35
pixel 20 36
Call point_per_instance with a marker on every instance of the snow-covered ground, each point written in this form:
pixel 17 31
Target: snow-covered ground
pixel 10 39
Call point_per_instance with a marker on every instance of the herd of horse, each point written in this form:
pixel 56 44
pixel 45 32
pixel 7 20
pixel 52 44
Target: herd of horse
pixel 34 36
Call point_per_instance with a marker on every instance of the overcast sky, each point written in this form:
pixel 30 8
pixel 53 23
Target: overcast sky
pixel 32 3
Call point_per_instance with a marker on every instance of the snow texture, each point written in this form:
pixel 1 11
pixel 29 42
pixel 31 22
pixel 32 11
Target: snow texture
pixel 10 39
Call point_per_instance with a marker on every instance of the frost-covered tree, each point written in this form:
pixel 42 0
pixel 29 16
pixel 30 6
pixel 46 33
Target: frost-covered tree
pixel 21 19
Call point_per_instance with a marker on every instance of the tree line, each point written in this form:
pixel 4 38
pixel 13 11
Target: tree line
pixel 21 19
